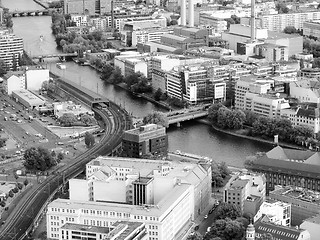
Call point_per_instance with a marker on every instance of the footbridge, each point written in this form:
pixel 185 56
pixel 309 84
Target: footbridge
pixel 176 117
pixel 25 13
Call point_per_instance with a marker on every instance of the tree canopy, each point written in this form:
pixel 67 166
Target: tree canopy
pixel 38 159
pixel 225 229
pixel 89 139
pixel 68 119
pixel 155 117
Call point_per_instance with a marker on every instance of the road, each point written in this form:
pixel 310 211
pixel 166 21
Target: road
pixel 22 217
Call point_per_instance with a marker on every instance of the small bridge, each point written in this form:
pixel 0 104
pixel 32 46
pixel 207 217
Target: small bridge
pixel 62 56
pixel 176 117
pixel 25 13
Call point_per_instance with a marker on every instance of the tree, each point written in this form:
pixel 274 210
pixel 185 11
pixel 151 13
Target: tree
pixel 251 117
pixel 68 119
pixel 2 203
pixel 44 85
pixel 156 118
pixel 157 95
pixel 213 112
pixel 38 159
pixel 116 76
pixel 89 139
pixel 16 176
pixel 60 156
pixel 266 236
pixel 106 72
pixel 195 236
pixel 133 79
pixel 15 190
pixel 11 193
pixel 86 119
pixel 281 7
pixel 301 63
pixel 290 30
pixel 25 182
pixel 224 169
pixel 20 185
pixel 227 210
pixel 226 229
pixel 3 142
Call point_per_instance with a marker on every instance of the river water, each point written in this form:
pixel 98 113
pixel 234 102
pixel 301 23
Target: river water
pixel 192 137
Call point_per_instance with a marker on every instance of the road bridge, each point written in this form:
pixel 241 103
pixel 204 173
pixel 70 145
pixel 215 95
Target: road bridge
pixel 62 56
pixel 176 117
pixel 25 13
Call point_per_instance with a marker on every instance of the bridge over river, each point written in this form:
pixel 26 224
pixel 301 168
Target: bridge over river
pixel 25 13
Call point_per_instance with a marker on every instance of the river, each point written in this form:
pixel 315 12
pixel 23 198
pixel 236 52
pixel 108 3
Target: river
pixel 192 137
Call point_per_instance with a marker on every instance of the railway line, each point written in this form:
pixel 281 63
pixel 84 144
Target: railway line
pixel 21 221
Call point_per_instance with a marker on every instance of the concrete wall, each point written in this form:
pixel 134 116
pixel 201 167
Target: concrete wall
pixel 78 190
pixel 114 191
pixel 15 83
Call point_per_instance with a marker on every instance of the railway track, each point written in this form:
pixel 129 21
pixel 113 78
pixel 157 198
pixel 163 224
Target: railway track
pixel 21 221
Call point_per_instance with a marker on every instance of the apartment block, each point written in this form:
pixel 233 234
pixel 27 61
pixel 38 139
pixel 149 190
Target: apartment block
pixel 306 90
pixel 246 191
pixel 166 196
pixel 148 139
pixel 311 28
pixel 11 48
pixel 79 7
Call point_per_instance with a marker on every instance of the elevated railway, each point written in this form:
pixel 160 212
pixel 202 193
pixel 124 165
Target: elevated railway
pixel 21 221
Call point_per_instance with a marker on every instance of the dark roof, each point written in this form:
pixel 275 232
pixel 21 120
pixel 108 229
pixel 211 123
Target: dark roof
pixel 309 113
pixel 287 153
pixel 263 225
pixel 287 167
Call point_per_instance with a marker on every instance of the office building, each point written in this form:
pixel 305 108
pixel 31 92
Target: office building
pixel 87 7
pixel 35 76
pixel 247 191
pixel 283 166
pixel 11 48
pixel 311 28
pixel 304 203
pixel 278 212
pixel 196 83
pixel 170 194
pixel 218 25
pixel 148 139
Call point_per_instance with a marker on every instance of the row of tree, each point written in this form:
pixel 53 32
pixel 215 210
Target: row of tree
pixel 264 127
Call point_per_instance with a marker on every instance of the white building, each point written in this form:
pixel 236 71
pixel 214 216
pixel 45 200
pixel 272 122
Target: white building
pixel 165 195
pixel 255 97
pixel 13 81
pixel 28 99
pixel 80 20
pixel 312 225
pixel 35 78
pixel 278 213
pixel 99 23
pixel 218 25
pixel 129 62
pixel 197 83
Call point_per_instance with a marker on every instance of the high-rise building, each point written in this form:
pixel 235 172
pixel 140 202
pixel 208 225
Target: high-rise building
pixel 147 139
pixel 11 48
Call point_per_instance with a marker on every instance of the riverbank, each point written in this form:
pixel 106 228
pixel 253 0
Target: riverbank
pixel 42 3
pixel 282 144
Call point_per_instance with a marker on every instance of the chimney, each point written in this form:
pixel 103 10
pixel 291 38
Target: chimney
pixel 191 13
pixel 183 12
pixel 253 21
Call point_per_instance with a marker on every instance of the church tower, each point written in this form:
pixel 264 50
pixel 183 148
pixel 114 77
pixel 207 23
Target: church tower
pixel 250 232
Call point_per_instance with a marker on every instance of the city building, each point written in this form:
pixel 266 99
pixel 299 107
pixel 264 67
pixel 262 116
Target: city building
pixel 277 212
pixel 239 40
pixel 132 62
pixel 247 191
pixel 218 25
pixel 283 166
pixel 311 28
pixel 312 225
pixel 278 22
pixel 131 36
pixel 306 114
pixel 60 108
pixel 265 226
pixel 253 96
pixel 28 99
pixel 79 7
pixel 170 195
pixel 13 81
pixel 144 22
pixel 11 48
pixel 80 20
pixel 99 23
pixel 306 90
pixel 122 230
pixel 148 139
pixel 304 203
pixel 197 83
pixel 310 72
